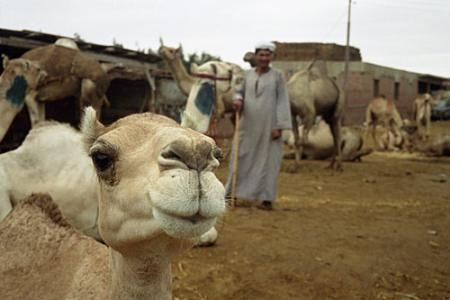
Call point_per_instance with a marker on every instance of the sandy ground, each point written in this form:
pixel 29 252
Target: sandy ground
pixel 378 230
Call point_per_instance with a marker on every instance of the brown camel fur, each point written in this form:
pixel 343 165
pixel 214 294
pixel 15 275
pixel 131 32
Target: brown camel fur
pixel 383 111
pixel 49 73
pixel 34 240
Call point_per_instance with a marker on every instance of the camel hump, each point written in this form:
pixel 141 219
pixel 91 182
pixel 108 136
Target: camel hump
pixel 45 203
pixel 55 60
pixel 60 61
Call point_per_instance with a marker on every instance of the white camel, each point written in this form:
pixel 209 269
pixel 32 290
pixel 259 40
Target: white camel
pixel 52 160
pixel 158 193
pixel 319 144
pixel 210 88
pixel 211 96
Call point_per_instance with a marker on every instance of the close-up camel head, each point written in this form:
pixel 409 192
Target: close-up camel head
pixel 157 195
pixel 156 180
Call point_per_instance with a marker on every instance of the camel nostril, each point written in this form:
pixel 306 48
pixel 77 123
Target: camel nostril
pixel 189 153
pixel 170 154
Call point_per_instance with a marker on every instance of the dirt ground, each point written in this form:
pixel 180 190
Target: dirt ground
pixel 378 230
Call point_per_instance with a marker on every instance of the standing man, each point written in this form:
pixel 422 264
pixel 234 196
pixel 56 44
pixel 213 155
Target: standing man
pixel 265 112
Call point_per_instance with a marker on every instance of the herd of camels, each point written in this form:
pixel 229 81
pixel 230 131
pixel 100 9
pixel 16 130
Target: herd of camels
pixel 105 213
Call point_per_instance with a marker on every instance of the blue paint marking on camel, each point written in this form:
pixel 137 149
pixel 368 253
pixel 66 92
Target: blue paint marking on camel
pixel 16 93
pixel 205 98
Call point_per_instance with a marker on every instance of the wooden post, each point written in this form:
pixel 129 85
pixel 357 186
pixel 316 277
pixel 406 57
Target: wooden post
pixel 235 158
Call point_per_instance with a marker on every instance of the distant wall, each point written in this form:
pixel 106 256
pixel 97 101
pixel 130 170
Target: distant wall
pixel 311 51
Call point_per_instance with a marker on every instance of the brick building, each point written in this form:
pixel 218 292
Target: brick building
pixel 365 80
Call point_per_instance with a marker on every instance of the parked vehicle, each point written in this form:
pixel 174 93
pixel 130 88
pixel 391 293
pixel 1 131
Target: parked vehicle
pixel 441 111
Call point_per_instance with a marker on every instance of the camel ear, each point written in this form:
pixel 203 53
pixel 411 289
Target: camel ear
pixel 28 64
pixel 161 41
pixel 194 68
pixel 90 127
pixel 42 74
pixel 5 60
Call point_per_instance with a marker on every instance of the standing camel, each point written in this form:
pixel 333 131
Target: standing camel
pixel 209 88
pixel 49 73
pixel 383 111
pixel 172 56
pixel 211 95
pixel 422 114
pixel 311 93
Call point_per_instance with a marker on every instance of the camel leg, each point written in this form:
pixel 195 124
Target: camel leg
pixel 5 203
pixel 420 126
pixel 427 121
pixel 298 147
pixel 374 134
pixel 336 161
pixel 89 97
pixel 36 109
pixel 368 123
pixel 356 156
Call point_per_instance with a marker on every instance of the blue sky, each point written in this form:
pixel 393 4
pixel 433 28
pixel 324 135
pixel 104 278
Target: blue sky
pixel 406 34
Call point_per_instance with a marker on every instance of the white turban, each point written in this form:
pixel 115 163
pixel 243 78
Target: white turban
pixel 266 46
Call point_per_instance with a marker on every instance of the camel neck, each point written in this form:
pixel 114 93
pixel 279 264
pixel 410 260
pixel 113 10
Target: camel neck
pixel 135 277
pixel 182 77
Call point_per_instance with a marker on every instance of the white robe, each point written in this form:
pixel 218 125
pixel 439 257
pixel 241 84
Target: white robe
pixel 265 108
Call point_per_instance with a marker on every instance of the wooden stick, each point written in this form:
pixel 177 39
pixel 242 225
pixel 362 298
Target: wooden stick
pixel 235 158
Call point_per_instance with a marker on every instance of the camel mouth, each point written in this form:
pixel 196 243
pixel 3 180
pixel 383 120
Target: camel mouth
pixel 183 226
pixel 195 218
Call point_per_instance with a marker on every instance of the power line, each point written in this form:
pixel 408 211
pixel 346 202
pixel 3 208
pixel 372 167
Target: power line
pixel 333 27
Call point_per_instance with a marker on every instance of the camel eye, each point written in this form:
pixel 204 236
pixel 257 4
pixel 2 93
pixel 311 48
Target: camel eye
pixel 101 161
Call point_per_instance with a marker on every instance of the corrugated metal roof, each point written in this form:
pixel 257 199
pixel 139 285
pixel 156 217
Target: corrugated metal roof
pixel 30 39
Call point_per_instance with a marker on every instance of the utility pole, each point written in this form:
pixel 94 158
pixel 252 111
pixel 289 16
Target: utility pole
pixel 347 52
